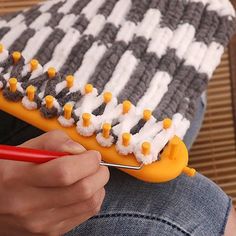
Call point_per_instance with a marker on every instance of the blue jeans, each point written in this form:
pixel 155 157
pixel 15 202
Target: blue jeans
pixel 184 206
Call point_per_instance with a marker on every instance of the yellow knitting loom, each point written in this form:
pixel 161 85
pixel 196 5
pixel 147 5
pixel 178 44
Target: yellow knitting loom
pixel 173 159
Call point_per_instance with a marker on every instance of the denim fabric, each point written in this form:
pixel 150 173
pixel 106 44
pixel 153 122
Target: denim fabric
pixel 184 206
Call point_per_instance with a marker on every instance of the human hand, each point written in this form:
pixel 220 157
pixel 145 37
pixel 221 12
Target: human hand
pixel 51 198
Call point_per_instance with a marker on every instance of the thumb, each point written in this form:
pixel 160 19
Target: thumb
pixel 55 141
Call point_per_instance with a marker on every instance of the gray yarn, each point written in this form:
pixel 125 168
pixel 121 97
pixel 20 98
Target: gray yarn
pixel 77 8
pixel 107 64
pixel 20 44
pixel 74 60
pixel 55 19
pixel 14 97
pixel 45 52
pixel 17 69
pixel 81 24
pixel 3 31
pixel 107 8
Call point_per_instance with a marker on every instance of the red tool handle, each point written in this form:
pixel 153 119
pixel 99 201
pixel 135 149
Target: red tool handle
pixel 28 154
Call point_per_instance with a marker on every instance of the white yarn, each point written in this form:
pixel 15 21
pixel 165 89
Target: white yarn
pixel 13 35
pixel 29 105
pixel 66 8
pixel 105 142
pixel 35 43
pixel 150 22
pixel 66 122
pixel 95 26
pixel 117 16
pixel 90 10
pixel 63 49
pixel 40 21
pixel 122 73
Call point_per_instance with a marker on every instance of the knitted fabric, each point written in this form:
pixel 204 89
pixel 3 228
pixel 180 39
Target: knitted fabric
pixel 134 63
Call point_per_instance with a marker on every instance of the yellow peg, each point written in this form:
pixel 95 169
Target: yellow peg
pixel 1 48
pixel 167 123
pixel 51 72
pixel 107 96
pixel 13 84
pixel 67 111
pixel 147 114
pixel 146 148
pixel 189 171
pixel 126 106
pixel 173 145
pixel 86 119
pixel 34 64
pixel 30 92
pixel 16 56
pixel 88 88
pixel 69 81
pixel 49 101
pixel 106 130
pixel 126 137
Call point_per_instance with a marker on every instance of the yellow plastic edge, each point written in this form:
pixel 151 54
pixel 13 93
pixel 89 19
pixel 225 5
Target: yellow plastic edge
pixel 162 171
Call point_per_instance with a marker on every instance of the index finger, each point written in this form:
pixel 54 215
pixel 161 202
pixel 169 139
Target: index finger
pixel 64 171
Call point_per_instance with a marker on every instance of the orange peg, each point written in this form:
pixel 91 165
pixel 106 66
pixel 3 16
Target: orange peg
pixel 107 96
pixel 106 130
pixel 174 146
pixel 86 119
pixel 189 171
pixel 49 101
pixel 68 111
pixel 88 88
pixel 30 92
pixel 147 114
pixel 51 72
pixel 126 137
pixel 16 56
pixel 167 123
pixel 146 148
pixel 126 106
pixel 1 48
pixel 13 84
pixel 69 81
pixel 34 64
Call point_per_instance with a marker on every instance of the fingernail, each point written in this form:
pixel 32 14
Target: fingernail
pixel 98 155
pixel 73 147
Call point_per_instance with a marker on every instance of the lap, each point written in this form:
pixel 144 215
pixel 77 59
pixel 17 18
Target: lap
pixel 184 206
